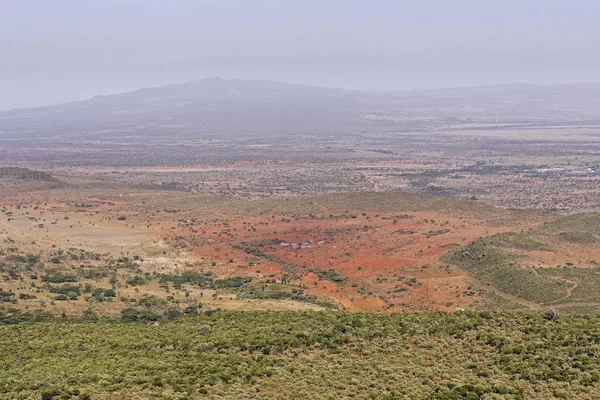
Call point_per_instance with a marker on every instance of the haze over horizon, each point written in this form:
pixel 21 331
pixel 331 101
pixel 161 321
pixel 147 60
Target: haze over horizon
pixel 374 90
pixel 101 48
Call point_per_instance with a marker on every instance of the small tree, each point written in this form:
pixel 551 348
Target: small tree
pixel 551 314
pixel 130 315
pixel 204 329
pixel 50 394
pixel 72 295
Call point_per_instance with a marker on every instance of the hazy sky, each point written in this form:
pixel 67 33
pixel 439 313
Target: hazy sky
pixel 60 50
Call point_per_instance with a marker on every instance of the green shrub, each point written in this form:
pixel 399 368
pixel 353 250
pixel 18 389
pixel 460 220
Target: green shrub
pixel 49 394
pixel 59 278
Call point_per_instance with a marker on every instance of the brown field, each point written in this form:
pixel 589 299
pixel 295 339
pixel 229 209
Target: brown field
pixel 369 251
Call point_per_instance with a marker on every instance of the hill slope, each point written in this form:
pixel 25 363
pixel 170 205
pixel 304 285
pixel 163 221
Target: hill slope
pixel 216 105
pixel 208 105
pixel 287 355
pixel 553 265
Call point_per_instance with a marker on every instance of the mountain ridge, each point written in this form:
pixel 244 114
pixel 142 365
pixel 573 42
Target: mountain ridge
pixel 218 105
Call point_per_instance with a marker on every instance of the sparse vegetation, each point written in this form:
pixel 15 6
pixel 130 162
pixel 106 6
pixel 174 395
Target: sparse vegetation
pixel 149 276
pixel 500 268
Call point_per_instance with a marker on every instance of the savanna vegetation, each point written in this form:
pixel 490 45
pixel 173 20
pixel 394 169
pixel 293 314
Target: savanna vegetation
pixel 99 320
pixel 507 262
pixel 305 355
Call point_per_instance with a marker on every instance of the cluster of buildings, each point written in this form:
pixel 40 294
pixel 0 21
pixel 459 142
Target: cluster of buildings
pixel 304 245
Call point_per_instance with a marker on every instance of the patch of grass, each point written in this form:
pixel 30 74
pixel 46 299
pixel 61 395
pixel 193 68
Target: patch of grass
pixel 583 222
pixel 493 301
pixel 500 268
pixel 587 279
pixel 580 237
pixel 518 240
pixel 580 310
pixel 490 260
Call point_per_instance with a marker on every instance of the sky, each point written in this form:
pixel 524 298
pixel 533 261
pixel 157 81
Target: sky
pixel 66 50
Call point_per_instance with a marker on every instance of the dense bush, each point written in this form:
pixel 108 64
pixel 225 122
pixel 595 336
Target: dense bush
pixel 230 283
pixel 137 281
pixel 135 315
pixel 64 289
pixel 328 274
pixel 59 278
pixel 305 355
pixel 6 296
pixel 202 280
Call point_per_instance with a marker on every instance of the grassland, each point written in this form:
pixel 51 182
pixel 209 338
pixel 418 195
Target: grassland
pixel 499 268
pixel 538 266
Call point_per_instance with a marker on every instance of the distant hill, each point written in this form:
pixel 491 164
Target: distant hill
pixel 210 105
pixel 509 104
pixel 216 105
